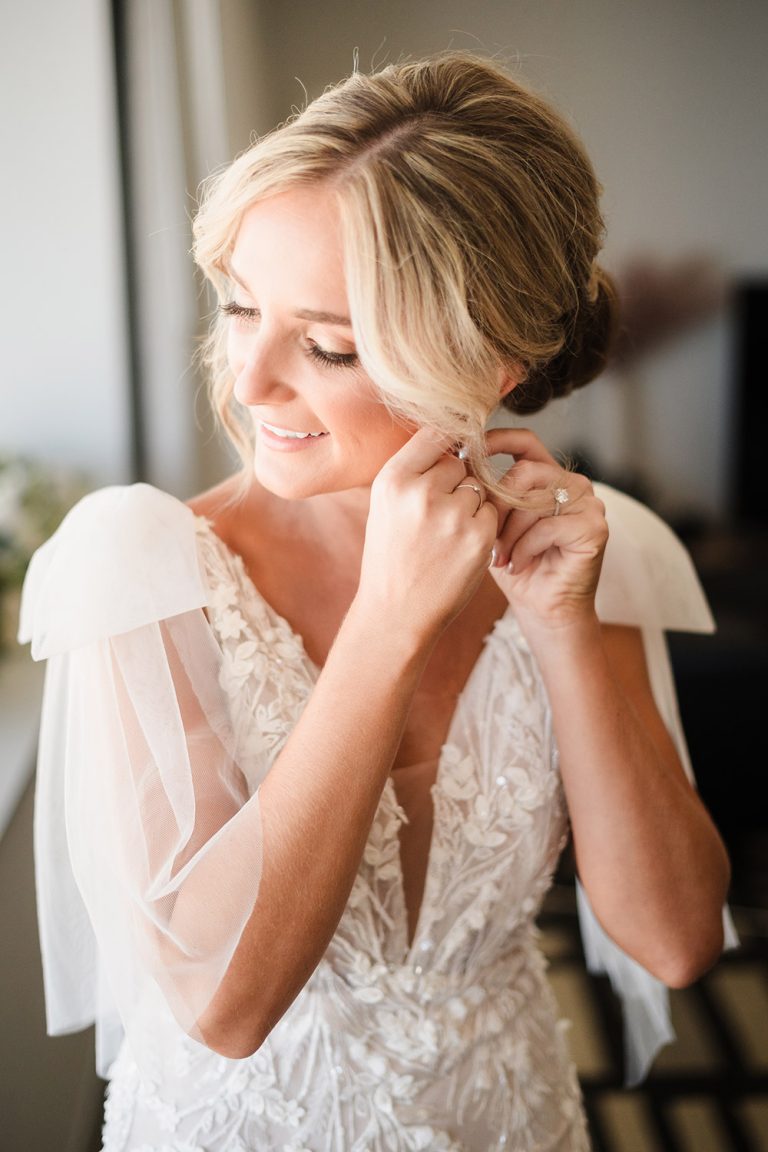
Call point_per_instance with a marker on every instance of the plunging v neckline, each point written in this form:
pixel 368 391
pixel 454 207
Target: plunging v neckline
pixel 389 785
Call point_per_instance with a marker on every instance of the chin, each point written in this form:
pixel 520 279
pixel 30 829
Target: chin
pixel 285 488
pixel 301 485
pixel 299 472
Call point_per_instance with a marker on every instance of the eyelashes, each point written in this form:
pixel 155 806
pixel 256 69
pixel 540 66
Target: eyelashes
pixel 332 359
pixel 239 311
pixel 250 317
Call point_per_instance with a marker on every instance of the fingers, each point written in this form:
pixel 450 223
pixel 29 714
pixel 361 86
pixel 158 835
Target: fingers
pixel 426 486
pixel 534 481
pixel 473 488
pixel 426 456
pixel 582 533
pixel 424 449
pixel 523 479
pixel 428 538
pixel 521 443
pixel 555 495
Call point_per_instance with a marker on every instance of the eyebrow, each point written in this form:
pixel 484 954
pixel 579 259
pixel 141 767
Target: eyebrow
pixel 304 313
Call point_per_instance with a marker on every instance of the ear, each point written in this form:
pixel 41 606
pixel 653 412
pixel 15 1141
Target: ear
pixel 509 377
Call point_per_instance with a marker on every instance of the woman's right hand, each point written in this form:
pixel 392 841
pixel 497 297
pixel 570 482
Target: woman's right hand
pixel 428 539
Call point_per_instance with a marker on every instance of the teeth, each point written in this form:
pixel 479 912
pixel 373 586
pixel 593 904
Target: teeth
pixel 287 434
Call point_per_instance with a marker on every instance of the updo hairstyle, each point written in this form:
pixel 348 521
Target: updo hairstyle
pixel 471 227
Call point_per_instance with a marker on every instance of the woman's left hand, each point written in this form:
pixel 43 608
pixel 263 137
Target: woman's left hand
pixel 548 559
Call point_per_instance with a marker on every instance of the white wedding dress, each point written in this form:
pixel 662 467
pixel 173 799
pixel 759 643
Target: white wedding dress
pixel 451 1041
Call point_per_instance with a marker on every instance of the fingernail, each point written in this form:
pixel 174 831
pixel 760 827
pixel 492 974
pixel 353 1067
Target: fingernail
pixel 510 567
pixel 494 557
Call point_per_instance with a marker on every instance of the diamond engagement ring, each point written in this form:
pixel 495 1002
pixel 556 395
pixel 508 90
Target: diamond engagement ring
pixel 561 496
pixel 477 491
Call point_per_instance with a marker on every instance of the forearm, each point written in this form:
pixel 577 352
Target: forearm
pixel 425 554
pixel 316 808
pixel 647 852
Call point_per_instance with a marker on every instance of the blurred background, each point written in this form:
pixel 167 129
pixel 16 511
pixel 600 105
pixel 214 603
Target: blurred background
pixel 111 114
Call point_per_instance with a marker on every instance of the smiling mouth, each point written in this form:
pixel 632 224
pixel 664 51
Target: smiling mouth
pixel 289 434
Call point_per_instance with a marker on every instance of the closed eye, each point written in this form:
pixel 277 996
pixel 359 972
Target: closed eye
pixel 320 355
pixel 239 311
pixel 331 359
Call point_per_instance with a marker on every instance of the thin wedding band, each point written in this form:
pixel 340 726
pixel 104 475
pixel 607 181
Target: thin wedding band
pixel 477 491
pixel 561 496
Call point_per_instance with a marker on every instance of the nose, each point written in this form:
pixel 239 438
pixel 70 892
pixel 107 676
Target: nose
pixel 261 370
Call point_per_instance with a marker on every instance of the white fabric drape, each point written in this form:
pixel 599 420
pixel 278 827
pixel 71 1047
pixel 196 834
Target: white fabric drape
pixel 142 802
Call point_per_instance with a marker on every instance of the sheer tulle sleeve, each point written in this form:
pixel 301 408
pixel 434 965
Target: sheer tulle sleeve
pixel 648 580
pixel 147 832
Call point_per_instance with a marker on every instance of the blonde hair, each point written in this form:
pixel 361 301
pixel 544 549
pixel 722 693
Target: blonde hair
pixel 471 226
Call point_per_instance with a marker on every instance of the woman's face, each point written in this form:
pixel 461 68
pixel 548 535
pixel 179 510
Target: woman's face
pixel 319 424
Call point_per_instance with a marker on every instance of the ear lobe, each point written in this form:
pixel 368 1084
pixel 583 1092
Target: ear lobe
pixel 509 378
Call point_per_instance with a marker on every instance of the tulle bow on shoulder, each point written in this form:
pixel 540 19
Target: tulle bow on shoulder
pixel 122 557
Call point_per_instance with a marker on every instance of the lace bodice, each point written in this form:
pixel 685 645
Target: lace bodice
pixel 451 1042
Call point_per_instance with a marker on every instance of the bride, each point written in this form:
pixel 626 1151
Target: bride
pixel 313 741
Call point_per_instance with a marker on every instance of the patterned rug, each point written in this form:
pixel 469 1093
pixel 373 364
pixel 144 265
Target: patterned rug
pixel 707 1092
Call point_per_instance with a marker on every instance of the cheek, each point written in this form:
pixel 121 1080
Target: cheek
pixel 234 353
pixel 377 436
pixel 368 420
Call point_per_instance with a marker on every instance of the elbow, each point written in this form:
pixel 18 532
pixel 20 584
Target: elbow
pixel 236 1025
pixel 232 1045
pixel 234 1037
pixel 695 946
pixel 682 965
pixel 237 1029
pixel 676 950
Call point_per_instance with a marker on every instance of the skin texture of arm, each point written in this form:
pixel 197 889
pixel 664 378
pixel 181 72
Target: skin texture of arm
pixel 647 852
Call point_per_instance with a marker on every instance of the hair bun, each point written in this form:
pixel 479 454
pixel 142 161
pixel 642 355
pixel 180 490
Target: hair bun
pixel 589 333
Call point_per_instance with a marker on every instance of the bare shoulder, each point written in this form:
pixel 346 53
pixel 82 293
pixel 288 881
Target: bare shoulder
pixel 214 502
pixel 224 505
pixel 240 514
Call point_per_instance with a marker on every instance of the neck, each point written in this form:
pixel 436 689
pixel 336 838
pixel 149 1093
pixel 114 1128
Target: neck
pixel 340 515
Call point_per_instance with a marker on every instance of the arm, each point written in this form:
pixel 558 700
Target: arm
pixel 648 855
pixel 425 553
pixel 647 852
pixel 316 805
pixel 149 852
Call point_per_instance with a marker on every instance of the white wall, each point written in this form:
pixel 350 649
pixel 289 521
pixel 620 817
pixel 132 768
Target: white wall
pixel 63 378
